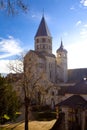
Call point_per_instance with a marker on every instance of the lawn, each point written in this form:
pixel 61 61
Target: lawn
pixel 33 125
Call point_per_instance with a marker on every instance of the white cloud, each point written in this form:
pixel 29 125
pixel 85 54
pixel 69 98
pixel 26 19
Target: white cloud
pixel 85 25
pixel 72 8
pixel 65 34
pixel 78 23
pixel 83 33
pixel 36 15
pixel 39 16
pixel 9 47
pixel 83 2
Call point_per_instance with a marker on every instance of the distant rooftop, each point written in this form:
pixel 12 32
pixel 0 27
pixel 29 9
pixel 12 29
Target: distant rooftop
pixel 74 101
pixel 79 88
pixel 76 75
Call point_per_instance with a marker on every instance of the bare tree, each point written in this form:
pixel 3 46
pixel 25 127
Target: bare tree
pixel 34 81
pixel 14 6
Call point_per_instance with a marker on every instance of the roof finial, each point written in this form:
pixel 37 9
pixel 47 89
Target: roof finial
pixel 43 12
pixel 61 43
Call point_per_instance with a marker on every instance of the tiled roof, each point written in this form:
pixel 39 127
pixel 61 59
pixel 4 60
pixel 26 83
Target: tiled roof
pixel 76 75
pixel 48 54
pixel 74 101
pixel 43 29
pixel 41 54
pixel 79 88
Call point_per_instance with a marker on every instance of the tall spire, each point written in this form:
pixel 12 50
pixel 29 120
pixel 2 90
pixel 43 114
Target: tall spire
pixel 61 48
pixel 43 29
pixel 61 45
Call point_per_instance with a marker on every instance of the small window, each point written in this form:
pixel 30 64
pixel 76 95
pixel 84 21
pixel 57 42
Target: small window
pixel 50 75
pixel 37 40
pixel 43 40
pixel 47 46
pixel 64 55
pixel 49 40
pixel 59 55
pixel 43 46
pixel 37 46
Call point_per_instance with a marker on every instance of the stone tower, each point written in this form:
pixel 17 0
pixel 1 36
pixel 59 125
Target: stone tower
pixel 62 63
pixel 43 45
pixel 43 39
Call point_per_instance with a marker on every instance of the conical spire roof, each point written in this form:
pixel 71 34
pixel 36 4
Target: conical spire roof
pixel 61 48
pixel 43 29
pixel 61 45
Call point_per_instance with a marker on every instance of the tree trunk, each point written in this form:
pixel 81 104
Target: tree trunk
pixel 26 114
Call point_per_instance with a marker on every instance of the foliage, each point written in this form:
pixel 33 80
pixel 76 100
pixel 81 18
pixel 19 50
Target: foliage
pixel 14 6
pixel 9 102
pixel 40 108
pixel 45 115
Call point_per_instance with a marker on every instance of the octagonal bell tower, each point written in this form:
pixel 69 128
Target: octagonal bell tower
pixel 43 39
pixel 62 63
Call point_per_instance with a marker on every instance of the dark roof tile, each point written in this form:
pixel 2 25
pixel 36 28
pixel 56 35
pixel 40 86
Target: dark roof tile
pixel 76 75
pixel 43 29
pixel 79 88
pixel 74 101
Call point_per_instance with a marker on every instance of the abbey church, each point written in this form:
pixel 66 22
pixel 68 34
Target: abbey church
pixel 55 67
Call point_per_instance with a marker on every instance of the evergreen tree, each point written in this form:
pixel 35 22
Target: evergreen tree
pixel 9 102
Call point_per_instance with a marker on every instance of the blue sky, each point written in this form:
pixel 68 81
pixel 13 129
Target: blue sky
pixel 66 19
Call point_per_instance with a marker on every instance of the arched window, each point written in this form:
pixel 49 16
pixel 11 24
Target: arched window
pixel 37 46
pixel 50 48
pixel 49 40
pixel 37 40
pixel 43 40
pixel 43 46
pixel 50 75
